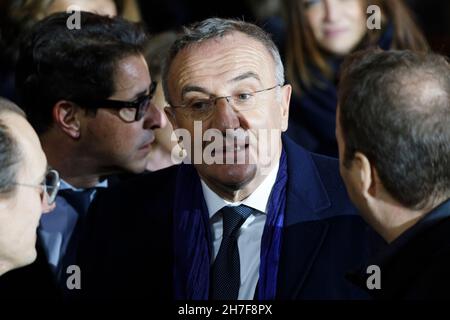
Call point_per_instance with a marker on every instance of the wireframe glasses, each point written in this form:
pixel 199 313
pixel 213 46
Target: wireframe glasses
pixel 200 109
pixel 50 186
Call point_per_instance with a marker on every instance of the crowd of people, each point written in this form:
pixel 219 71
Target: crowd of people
pixel 220 161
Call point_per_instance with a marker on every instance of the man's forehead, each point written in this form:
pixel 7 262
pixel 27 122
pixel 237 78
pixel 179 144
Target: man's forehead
pixel 28 142
pixel 131 76
pixel 234 53
pixel 232 41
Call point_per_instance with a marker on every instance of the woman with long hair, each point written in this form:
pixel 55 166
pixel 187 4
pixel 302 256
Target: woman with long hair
pixel 320 34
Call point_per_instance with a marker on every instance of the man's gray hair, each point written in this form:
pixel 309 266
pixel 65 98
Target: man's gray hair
pixel 216 28
pixel 10 154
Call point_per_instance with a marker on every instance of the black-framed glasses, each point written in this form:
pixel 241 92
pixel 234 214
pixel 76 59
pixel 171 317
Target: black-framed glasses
pixel 200 109
pixel 129 111
pixel 50 186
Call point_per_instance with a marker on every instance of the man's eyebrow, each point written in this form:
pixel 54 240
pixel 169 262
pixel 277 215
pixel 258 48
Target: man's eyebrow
pixel 188 89
pixel 140 94
pixel 243 76
pixel 246 75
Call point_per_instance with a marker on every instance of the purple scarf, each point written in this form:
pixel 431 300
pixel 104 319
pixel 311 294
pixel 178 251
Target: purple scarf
pixel 192 237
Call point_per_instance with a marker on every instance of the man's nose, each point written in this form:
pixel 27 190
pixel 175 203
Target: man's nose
pixel 225 116
pixel 154 118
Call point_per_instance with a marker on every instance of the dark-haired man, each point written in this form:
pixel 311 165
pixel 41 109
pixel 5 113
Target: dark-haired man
pixel 88 94
pixel 393 132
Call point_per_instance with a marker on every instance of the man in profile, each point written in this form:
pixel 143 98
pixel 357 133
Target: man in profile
pixel 393 132
pixel 88 94
pixel 27 189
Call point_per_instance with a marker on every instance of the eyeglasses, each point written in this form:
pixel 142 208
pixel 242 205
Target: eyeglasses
pixel 200 109
pixel 50 186
pixel 129 111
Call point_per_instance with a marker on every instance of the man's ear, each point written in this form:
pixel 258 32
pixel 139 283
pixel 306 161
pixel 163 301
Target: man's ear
pixel 67 117
pixel 170 113
pixel 366 175
pixel 285 92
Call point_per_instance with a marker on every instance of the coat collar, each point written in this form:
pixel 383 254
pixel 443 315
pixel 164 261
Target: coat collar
pixel 306 196
pixel 401 260
pixel 304 185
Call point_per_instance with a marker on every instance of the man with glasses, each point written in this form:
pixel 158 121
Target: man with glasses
pixel 27 189
pixel 277 225
pixel 88 94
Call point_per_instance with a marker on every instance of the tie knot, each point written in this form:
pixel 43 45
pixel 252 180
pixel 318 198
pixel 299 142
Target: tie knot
pixel 233 218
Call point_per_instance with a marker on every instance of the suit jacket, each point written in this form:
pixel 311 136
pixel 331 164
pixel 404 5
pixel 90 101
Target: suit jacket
pixel 130 235
pixel 416 265
pixel 32 282
pixel 126 251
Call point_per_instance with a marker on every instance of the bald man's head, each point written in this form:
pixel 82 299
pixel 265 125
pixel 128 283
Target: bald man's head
pixel 394 107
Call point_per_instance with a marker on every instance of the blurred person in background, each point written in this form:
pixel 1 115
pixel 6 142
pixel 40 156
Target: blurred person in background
pixel 165 152
pixel 18 16
pixel 102 7
pixel 320 34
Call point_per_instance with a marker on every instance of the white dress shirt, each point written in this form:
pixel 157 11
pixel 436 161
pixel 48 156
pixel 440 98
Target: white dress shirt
pixel 250 234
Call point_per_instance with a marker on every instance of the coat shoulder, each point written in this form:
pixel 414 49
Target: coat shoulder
pixel 328 170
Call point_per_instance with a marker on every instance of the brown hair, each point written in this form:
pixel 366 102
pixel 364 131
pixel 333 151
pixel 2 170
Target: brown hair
pixel 302 50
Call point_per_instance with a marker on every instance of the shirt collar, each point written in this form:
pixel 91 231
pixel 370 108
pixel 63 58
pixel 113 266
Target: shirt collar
pixel 257 200
pixel 64 185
